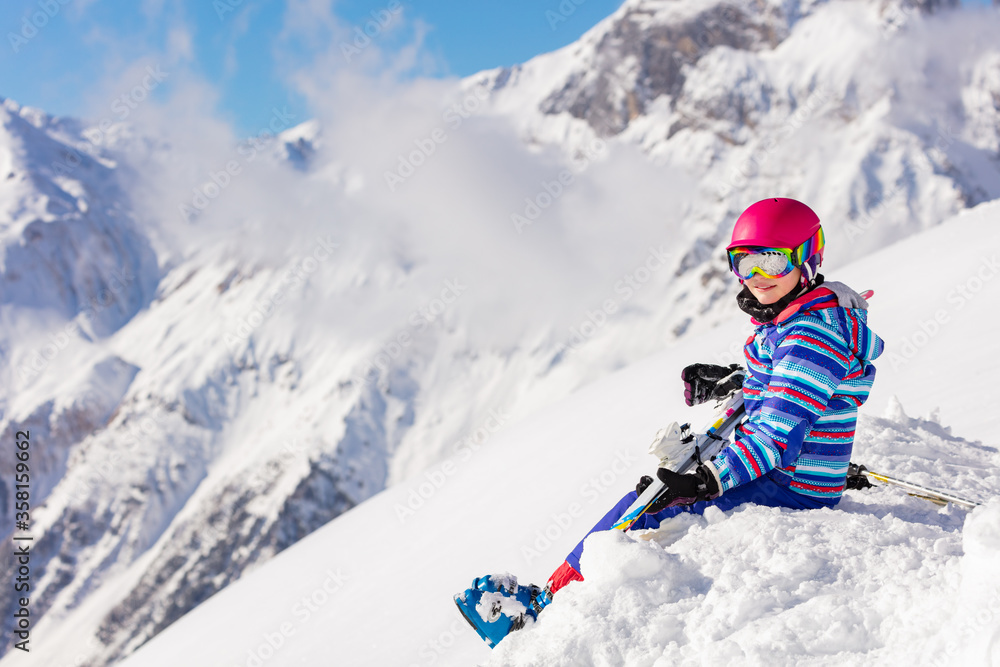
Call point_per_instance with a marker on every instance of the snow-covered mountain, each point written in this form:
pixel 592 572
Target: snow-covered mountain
pixel 883 578
pixel 854 106
pixel 219 348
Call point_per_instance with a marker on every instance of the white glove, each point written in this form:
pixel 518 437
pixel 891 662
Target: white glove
pixel 846 297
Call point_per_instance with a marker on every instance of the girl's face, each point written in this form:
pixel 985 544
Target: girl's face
pixel 770 290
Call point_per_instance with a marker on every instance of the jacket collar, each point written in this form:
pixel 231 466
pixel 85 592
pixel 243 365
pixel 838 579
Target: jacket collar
pixel 816 299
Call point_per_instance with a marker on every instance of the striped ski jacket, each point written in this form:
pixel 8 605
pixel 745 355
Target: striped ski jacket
pixel 807 374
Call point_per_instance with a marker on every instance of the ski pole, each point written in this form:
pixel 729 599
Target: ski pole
pixel 916 490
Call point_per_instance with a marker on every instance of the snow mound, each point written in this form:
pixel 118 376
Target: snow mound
pixel 883 578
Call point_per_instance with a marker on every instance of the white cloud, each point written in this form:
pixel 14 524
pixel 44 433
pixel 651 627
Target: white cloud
pixel 179 44
pixel 451 220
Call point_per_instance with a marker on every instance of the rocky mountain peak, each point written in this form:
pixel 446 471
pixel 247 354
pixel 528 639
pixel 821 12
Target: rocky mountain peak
pixel 643 52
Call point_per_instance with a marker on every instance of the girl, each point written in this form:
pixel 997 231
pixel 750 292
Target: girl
pixel 808 370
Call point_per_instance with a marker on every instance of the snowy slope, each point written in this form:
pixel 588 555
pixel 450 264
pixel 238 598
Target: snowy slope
pixel 883 577
pixel 221 407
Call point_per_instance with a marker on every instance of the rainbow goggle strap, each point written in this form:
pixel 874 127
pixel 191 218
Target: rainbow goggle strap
pixel 773 262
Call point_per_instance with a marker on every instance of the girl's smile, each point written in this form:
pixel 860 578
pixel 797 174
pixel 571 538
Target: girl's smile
pixel 771 290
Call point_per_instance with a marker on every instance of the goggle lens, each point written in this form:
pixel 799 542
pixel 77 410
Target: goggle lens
pixel 768 262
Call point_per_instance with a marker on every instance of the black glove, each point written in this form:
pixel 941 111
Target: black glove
pixel 703 382
pixel 681 489
pixel 856 479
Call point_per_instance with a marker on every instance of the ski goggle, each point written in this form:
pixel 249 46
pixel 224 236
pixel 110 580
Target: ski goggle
pixel 768 262
pixel 745 261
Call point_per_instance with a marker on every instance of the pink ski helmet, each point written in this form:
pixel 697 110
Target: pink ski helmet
pixel 782 223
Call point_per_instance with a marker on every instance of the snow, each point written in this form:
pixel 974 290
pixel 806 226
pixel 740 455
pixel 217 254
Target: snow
pixel 491 605
pixel 765 585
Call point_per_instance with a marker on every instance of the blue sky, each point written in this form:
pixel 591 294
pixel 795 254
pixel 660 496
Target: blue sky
pixel 72 57
pixel 238 46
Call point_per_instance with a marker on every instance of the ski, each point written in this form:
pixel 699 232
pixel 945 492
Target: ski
pixel 916 490
pixel 682 451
